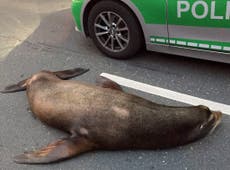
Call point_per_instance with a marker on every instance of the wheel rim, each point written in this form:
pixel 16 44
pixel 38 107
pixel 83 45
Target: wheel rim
pixel 111 31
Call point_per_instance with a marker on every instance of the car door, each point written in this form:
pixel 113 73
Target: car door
pixel 154 13
pixel 199 24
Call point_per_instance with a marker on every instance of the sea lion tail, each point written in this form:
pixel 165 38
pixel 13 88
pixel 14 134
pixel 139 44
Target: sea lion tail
pixel 68 74
pixel 21 86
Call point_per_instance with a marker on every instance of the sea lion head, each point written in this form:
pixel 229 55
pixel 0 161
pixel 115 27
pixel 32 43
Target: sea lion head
pixel 211 121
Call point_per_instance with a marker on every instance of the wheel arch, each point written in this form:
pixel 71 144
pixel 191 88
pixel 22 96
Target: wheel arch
pixel 88 5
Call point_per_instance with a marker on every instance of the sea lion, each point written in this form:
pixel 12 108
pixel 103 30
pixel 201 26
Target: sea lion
pixel 104 117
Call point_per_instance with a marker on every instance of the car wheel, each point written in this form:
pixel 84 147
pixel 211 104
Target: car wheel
pixel 114 29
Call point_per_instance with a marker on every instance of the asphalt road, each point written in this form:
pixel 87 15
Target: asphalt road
pixel 36 35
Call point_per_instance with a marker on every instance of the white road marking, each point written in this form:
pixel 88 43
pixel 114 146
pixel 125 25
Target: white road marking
pixel 184 98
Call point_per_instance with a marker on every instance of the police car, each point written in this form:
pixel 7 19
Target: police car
pixel 120 28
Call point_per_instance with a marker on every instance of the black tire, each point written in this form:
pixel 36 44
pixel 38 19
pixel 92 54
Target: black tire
pixel 124 49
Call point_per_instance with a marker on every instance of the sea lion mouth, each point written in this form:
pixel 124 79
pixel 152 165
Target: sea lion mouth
pixel 216 115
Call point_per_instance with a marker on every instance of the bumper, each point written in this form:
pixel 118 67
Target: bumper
pixel 76 12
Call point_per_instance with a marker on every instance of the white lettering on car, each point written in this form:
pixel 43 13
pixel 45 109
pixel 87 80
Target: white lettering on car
pixel 228 10
pixel 205 11
pixel 213 9
pixel 182 6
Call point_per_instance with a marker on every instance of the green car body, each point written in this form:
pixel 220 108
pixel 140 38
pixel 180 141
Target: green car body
pixel 194 28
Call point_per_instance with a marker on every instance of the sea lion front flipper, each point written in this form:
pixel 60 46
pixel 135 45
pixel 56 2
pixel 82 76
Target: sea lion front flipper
pixel 107 83
pixel 56 151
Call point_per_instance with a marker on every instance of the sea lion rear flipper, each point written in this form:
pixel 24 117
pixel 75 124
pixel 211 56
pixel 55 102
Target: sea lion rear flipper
pixel 68 74
pixel 56 151
pixel 107 83
pixel 21 86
